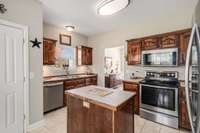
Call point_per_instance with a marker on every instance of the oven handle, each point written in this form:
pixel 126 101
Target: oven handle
pixel 169 88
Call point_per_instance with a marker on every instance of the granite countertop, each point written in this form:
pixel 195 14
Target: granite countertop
pixel 67 77
pixel 108 98
pixel 137 80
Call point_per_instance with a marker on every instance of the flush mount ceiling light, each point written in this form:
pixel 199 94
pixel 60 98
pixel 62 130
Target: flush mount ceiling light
pixel 70 28
pixel 109 7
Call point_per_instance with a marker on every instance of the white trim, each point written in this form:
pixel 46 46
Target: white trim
pixel 26 69
pixel 36 125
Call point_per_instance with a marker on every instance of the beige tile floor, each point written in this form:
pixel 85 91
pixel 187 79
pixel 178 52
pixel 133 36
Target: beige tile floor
pixel 55 122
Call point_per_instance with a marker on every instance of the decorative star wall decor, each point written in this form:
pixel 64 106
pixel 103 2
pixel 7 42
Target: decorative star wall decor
pixel 2 8
pixel 36 43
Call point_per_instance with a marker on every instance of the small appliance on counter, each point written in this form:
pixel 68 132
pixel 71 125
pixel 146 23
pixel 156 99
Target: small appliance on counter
pixel 159 98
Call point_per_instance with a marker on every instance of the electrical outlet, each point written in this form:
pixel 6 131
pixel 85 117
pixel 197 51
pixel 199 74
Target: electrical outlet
pixel 86 104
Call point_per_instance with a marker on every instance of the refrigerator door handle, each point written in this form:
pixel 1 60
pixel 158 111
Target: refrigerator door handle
pixel 187 70
pixel 198 106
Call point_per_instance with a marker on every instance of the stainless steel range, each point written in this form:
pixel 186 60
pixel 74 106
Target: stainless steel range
pixel 159 98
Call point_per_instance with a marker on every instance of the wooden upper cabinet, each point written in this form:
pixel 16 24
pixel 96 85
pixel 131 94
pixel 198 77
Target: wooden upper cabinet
pixel 134 52
pixel 49 47
pixel 170 41
pixel 150 43
pixel 84 55
pixel 184 41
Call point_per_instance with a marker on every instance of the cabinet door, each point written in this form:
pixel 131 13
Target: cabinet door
pixel 51 53
pixel 170 41
pixel 150 43
pixel 79 119
pixel 86 53
pixel 184 118
pixel 49 47
pixel 184 41
pixel 89 54
pixel 133 88
pixel 134 52
pixel 83 54
pixel 45 53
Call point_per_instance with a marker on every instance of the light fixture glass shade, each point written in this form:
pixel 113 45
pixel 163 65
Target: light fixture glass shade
pixel 70 28
pixel 109 7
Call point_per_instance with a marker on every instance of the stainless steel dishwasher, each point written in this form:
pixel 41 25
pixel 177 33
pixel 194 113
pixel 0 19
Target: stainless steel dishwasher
pixel 53 96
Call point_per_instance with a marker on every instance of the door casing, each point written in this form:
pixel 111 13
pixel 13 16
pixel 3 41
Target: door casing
pixel 26 68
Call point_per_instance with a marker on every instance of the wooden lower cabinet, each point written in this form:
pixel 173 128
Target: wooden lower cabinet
pixel 76 83
pixel 133 87
pixel 111 81
pixel 97 119
pixel 183 114
pixel 91 81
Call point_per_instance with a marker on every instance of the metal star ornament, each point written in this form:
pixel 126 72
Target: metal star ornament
pixel 2 8
pixel 36 43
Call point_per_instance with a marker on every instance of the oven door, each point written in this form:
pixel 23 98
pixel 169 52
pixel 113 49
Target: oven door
pixel 159 99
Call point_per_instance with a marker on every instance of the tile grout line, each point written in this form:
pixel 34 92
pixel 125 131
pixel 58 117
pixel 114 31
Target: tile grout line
pixel 142 127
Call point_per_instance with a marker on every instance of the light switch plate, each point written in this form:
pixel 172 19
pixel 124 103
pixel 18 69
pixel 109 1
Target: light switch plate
pixel 86 104
pixel 32 75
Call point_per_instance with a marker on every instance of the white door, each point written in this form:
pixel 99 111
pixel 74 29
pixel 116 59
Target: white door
pixel 11 80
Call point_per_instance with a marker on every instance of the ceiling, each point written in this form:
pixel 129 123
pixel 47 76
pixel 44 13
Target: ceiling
pixel 82 13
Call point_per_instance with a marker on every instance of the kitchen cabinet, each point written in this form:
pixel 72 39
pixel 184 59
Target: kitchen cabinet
pixel 91 81
pixel 177 39
pixel 184 41
pixel 134 52
pixel 49 47
pixel 96 115
pixel 150 43
pixel 84 55
pixel 76 83
pixel 133 87
pixel 111 80
pixel 170 41
pixel 183 114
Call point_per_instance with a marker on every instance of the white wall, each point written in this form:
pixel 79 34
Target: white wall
pixel 29 13
pixel 197 14
pixel 163 24
pixel 53 32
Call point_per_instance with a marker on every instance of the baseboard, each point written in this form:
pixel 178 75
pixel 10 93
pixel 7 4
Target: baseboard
pixel 36 125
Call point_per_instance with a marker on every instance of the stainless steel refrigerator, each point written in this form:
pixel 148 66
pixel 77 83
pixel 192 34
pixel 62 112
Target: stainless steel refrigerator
pixel 192 79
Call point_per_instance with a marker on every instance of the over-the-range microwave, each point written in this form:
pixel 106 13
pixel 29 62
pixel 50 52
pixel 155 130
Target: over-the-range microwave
pixel 160 57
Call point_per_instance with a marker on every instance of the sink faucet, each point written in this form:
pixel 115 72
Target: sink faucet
pixel 66 67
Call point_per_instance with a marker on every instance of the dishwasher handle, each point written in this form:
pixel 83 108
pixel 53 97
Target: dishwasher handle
pixel 52 84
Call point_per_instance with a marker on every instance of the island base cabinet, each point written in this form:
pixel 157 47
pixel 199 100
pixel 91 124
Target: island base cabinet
pixel 92 118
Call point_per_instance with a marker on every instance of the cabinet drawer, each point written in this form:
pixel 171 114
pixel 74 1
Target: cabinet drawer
pixel 91 81
pixel 69 85
pixel 130 87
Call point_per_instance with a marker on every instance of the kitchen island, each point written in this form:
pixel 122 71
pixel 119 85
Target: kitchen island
pixel 94 109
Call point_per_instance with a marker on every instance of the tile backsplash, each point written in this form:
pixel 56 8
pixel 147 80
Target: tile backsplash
pixel 139 71
pixel 52 70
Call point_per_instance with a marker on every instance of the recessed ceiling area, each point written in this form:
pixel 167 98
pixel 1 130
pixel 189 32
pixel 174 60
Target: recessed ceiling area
pixel 83 15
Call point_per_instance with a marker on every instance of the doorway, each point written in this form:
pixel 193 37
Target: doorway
pixel 114 66
pixel 14 79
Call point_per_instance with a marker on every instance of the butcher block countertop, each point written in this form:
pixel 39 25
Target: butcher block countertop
pixel 107 98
